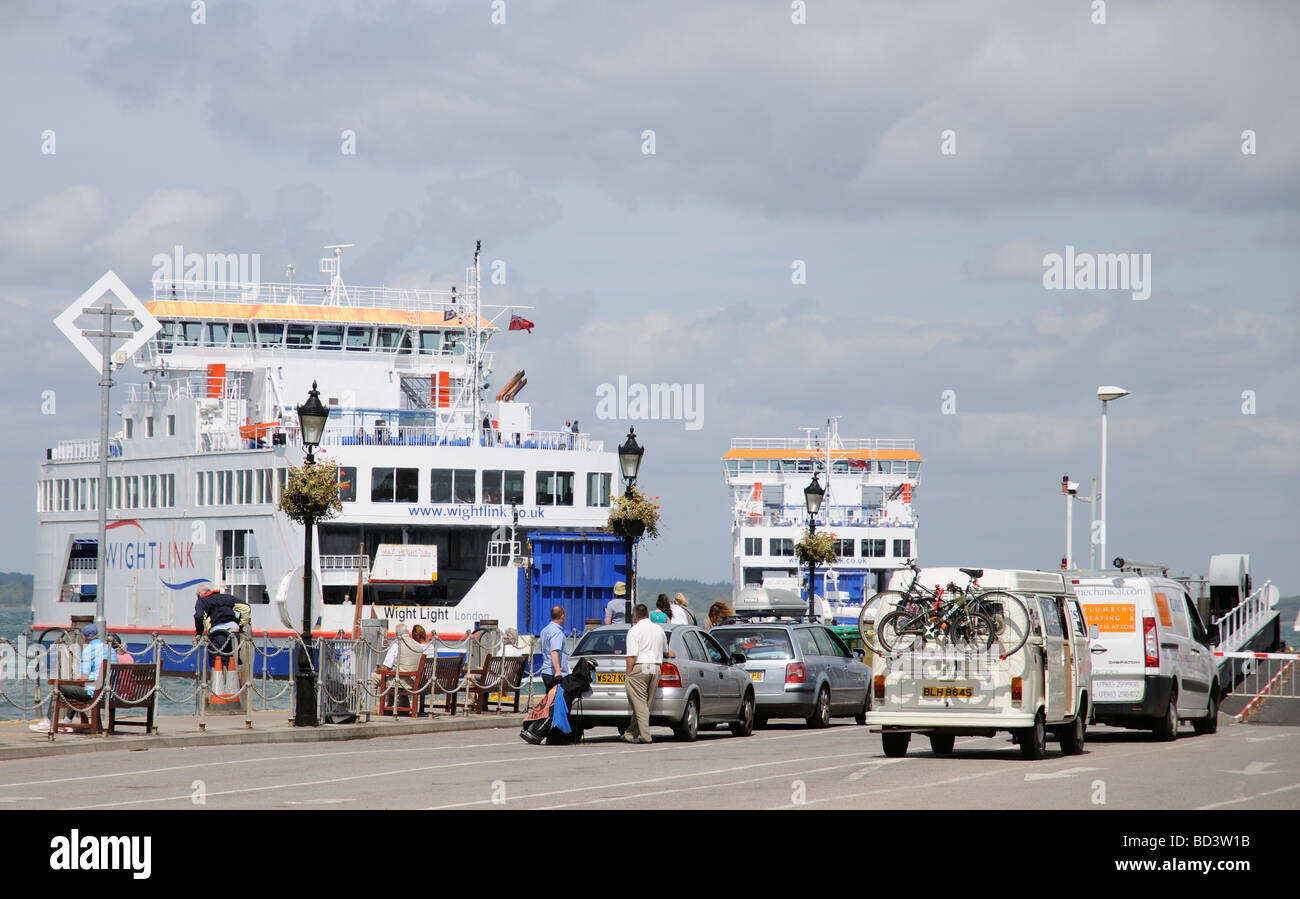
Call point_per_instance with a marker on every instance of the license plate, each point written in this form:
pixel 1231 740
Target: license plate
pixel 947 692
pixel 612 679
pixel 756 675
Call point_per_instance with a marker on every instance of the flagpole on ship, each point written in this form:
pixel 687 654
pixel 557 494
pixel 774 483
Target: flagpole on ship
pixel 477 372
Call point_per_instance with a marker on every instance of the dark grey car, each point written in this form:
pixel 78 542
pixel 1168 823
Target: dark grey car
pixel 800 671
pixel 701 687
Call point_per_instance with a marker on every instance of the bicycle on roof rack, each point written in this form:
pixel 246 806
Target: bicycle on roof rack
pixel 969 617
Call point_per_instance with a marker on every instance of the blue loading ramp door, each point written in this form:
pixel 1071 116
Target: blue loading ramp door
pixel 573 570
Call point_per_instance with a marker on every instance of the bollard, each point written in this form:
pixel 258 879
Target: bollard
pixel 203 690
pixel 157 677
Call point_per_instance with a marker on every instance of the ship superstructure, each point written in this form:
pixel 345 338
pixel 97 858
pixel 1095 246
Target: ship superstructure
pixel 209 432
pixel 870 490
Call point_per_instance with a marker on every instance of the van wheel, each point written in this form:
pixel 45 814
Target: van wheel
pixel 1166 728
pixel 689 728
pixel 941 744
pixel 1033 740
pixel 1210 723
pixel 895 744
pixel 1072 736
pixel 821 716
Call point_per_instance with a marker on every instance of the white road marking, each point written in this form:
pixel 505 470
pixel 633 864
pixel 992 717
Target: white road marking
pixel 21 798
pixel 871 768
pixel 316 801
pixel 1068 772
pixel 1254 768
pixel 1248 798
pixel 652 780
pixel 1266 739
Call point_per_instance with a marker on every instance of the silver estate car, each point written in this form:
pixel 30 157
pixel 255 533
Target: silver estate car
pixel 701 686
pixel 800 671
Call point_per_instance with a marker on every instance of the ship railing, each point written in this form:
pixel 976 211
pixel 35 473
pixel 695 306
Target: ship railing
pixel 503 553
pixel 241 563
pixel 800 443
pixel 430 435
pixel 1242 622
pixel 344 562
pixel 196 385
pixel 419 300
pixel 81 450
pixel 834 516
pixel 82 564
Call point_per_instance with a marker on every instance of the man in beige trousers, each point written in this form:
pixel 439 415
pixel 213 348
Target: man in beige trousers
pixel 647 647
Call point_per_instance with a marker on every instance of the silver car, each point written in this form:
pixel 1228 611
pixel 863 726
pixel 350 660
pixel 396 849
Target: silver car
pixel 800 671
pixel 702 686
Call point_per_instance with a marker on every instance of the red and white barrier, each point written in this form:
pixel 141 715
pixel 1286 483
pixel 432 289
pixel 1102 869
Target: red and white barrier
pixel 1285 656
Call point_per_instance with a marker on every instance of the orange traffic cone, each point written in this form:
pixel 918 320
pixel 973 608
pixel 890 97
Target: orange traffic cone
pixel 218 685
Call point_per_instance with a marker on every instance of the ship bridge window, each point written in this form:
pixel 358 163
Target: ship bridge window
pixel 554 488
pixel 452 485
pixel 733 468
pixel 239 335
pixel 844 548
pixel 430 342
pixel 780 546
pixel 218 333
pixel 873 549
pixel 270 333
pixel 903 549
pixel 299 337
pixel 168 335
pixel 753 546
pixel 360 339
pixel 393 340
pixel 193 333
pixel 389 485
pixel 599 484
pixel 329 337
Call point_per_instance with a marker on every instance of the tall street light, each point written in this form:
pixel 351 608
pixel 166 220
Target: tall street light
pixel 1105 394
pixel 629 457
pixel 311 418
pixel 813 495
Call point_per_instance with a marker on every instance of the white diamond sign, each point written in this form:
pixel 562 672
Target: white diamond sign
pixel 112 285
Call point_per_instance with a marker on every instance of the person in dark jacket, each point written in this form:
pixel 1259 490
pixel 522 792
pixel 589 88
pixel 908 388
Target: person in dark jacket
pixel 219 611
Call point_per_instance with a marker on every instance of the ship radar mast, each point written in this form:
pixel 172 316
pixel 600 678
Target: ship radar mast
pixel 336 294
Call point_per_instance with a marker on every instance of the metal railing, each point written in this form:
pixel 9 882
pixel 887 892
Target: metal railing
pixel 501 553
pixel 343 562
pixel 802 443
pixel 1239 624
pixel 241 563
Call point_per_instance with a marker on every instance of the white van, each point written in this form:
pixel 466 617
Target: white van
pixel 1044 687
pixel 1152 661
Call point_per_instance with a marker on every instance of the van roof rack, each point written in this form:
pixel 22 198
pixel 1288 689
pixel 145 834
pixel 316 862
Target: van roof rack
pixel 1130 566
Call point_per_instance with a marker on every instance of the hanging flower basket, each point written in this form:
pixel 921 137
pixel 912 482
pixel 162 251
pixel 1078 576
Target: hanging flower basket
pixel 312 493
pixel 634 516
pixel 816 549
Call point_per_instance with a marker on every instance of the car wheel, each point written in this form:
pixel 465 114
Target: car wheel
pixel 1166 728
pixel 895 744
pixel 745 726
pixel 1073 735
pixel 689 727
pixel 821 716
pixel 1033 740
pixel 1210 723
pixel 942 744
pixel 861 717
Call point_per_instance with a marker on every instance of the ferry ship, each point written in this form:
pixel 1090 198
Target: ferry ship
pixel 209 431
pixel 870 490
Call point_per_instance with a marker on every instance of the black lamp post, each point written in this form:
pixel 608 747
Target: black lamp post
pixel 311 418
pixel 629 457
pixel 812 497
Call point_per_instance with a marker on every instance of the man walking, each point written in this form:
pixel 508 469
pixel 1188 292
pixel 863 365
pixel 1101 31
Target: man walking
pixel 646 650
pixel 555 659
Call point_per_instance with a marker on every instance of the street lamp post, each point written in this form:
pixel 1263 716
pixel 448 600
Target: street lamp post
pixel 629 458
pixel 311 417
pixel 813 495
pixel 1105 394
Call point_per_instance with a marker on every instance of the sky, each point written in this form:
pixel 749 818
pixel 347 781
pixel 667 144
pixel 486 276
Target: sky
pixel 810 209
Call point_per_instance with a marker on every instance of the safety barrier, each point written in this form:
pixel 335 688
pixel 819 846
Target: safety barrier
pixel 228 677
pixel 1265 675
pixel 1240 623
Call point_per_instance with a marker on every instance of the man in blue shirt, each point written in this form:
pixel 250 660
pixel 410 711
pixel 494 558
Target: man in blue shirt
pixel 94 655
pixel 616 608
pixel 555 659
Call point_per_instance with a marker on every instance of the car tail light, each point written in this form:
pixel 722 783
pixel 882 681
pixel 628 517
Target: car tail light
pixel 1017 690
pixel 669 676
pixel 1151 640
pixel 878 686
pixel 795 673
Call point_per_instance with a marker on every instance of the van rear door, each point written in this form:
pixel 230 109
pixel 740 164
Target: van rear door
pixel 1118 659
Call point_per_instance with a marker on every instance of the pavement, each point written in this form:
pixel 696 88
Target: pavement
pixel 17 741
pixel 784 766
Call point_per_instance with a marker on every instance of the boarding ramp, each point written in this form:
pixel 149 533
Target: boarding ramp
pixel 1268 690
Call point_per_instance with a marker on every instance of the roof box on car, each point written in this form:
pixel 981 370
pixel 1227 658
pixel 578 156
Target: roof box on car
pixel 768 602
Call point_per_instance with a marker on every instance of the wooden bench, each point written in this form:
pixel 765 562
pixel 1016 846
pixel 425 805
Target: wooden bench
pixel 88 710
pixel 132 687
pixel 500 675
pixel 446 681
pixel 405 686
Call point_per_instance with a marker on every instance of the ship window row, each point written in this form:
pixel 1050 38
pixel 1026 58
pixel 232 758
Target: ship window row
pixel 151 491
pixel 129 426
pixel 873 548
pixel 248 486
pixel 737 467
pixel 471 486
pixel 309 336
